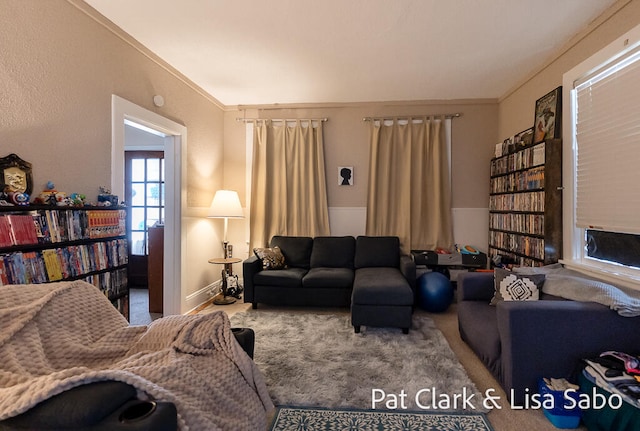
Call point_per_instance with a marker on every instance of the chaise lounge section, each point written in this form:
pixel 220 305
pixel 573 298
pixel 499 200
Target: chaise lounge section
pixel 383 289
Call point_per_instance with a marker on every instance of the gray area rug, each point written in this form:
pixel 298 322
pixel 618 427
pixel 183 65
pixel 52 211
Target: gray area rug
pixel 316 360
pixel 291 418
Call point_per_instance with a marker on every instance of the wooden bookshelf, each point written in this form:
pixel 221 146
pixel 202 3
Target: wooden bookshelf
pixel 525 204
pixel 43 244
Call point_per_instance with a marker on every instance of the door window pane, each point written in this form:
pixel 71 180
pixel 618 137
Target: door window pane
pixel 137 170
pixel 137 194
pixel 153 169
pixel 153 215
pixel 137 219
pixel 153 194
pixel 138 243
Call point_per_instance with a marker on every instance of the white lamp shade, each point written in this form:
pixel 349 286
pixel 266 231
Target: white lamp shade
pixel 225 204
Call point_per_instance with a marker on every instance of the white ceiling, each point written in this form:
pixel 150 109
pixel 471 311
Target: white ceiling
pixel 247 52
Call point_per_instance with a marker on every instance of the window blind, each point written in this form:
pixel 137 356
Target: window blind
pixel 608 147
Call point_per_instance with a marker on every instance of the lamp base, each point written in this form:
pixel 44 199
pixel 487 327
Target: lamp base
pixel 224 300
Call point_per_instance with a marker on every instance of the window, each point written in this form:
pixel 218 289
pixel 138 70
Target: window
pixel 145 192
pixel 602 150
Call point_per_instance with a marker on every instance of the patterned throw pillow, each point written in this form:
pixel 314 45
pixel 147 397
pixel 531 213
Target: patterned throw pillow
pixel 516 287
pixel 272 258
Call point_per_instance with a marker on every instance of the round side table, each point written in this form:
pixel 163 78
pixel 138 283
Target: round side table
pixel 227 270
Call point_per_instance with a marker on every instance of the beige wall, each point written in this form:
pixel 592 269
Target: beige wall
pixel 59 68
pixel 516 109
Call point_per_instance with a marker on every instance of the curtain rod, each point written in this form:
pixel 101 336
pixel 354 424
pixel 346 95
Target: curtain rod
pixel 281 119
pixel 411 117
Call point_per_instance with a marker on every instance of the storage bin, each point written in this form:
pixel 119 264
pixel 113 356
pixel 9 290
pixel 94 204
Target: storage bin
pixel 560 416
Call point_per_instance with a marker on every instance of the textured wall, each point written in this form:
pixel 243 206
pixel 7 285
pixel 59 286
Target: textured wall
pixel 59 68
pixel 516 110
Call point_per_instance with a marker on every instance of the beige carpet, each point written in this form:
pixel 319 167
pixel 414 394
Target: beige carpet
pixel 504 419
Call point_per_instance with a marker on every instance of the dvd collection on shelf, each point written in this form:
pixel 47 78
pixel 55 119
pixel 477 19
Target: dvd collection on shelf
pixel 528 201
pixel 42 245
pixel 532 224
pixel 523 180
pixel 524 199
pixel 523 159
pixel 51 226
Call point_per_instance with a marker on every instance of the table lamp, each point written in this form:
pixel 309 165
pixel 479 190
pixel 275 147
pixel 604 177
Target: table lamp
pixel 226 205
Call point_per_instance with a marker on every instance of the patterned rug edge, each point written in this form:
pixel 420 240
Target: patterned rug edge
pixel 318 419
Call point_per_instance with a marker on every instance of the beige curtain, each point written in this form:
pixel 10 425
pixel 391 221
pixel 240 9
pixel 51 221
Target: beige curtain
pixel 288 185
pixel 409 183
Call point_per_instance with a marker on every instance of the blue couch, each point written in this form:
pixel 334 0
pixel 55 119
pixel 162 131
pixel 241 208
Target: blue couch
pixel 522 341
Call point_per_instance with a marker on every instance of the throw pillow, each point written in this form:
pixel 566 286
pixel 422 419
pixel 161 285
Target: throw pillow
pixel 516 287
pixel 272 258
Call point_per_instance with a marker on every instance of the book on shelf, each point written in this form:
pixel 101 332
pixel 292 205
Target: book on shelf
pixel 52 264
pixel 21 229
pixel 46 226
pixel 55 264
pixel 5 232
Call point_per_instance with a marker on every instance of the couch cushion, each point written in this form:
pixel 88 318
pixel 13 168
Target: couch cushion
pixel 381 286
pixel 272 257
pixel 296 249
pixel 333 252
pixel 329 277
pixel 290 277
pixel 377 251
pixel 478 323
pixel 510 286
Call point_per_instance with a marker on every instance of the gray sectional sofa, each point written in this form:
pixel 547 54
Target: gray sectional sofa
pixel 522 341
pixel 367 273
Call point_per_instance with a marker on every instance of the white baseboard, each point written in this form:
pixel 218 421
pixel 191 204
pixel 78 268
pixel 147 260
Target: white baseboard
pixel 199 297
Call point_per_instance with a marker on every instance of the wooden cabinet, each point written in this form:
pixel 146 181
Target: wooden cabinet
pixel 525 205
pixel 156 267
pixel 42 244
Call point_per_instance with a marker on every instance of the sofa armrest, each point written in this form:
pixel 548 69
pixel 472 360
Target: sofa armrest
pixel 78 407
pixel 475 286
pixel 250 267
pixel 549 338
pixel 408 269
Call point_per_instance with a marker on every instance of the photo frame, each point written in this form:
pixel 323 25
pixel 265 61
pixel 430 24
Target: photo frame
pixel 16 175
pixel 548 116
pixel 524 138
pixel 345 175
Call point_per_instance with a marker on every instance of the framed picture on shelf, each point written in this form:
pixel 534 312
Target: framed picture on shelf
pixel 547 123
pixel 524 138
pixel 16 175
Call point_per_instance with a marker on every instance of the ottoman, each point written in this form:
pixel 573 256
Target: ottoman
pixel 382 297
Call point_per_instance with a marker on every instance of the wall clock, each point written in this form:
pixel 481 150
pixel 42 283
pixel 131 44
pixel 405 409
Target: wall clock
pixel 16 175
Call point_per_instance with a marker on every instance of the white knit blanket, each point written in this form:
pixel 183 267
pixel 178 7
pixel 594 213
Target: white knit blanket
pixel 57 336
pixel 576 286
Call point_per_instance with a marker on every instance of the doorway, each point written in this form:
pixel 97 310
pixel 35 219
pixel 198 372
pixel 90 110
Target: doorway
pixel 174 146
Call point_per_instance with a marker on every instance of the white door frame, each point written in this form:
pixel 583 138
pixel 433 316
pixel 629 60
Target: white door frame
pixel 175 150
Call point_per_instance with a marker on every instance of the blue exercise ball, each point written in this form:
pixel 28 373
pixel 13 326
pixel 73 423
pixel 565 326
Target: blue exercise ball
pixel 435 293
